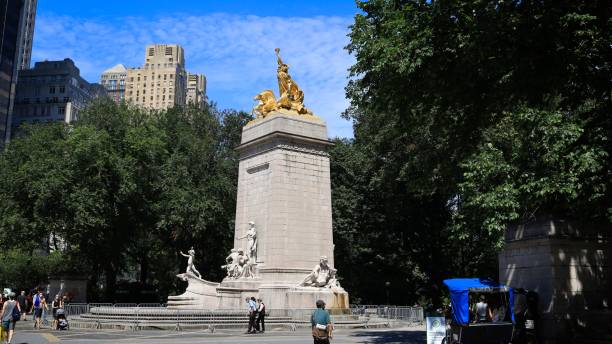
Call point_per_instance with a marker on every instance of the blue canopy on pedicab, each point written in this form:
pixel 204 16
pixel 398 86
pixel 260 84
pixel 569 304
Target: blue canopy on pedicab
pixel 459 289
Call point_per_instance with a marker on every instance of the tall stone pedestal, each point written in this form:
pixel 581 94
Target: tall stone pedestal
pixel 569 267
pixel 284 188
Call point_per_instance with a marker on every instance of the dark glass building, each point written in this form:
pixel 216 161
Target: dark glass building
pixel 10 15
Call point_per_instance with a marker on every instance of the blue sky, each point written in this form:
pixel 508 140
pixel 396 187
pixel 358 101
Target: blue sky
pixel 232 42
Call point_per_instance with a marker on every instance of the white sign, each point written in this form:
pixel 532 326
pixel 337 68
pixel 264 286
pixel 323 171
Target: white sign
pixel 436 330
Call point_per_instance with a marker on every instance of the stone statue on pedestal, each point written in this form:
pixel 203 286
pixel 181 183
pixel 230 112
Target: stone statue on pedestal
pixel 251 236
pixel 231 265
pixel 238 265
pixel 190 266
pixel 321 276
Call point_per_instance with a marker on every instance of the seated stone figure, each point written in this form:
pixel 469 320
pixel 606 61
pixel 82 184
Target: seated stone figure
pixel 238 265
pixel 321 276
pixel 232 263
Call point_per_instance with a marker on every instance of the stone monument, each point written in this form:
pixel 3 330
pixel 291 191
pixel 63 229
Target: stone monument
pixel 569 266
pixel 283 245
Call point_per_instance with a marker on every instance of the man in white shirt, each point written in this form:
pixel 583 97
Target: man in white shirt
pixel 483 312
pixel 252 315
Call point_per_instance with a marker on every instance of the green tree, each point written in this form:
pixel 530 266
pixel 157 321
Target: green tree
pixel 472 114
pixel 124 190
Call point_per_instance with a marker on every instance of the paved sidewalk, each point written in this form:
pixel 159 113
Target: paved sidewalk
pixel 302 336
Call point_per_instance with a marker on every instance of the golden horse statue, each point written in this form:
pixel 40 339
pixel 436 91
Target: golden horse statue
pixel 267 103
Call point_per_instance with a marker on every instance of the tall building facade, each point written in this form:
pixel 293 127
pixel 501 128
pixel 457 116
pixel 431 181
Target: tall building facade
pixel 28 18
pixel 52 91
pixel 113 80
pixel 16 33
pixel 196 89
pixel 161 82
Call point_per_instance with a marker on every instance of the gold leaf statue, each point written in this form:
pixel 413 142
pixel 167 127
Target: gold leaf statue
pixel 291 96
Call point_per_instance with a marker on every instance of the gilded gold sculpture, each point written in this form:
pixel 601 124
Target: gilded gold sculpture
pixel 267 103
pixel 291 96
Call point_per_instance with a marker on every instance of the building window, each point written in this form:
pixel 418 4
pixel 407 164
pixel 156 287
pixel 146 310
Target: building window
pixel 55 100
pixel 168 50
pixel 165 76
pixel 52 89
pixel 61 110
pixel 151 98
pixel 62 89
pixel 151 51
pixel 66 99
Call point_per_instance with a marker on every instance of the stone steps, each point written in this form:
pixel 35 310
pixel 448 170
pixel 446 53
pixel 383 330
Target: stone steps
pixel 204 323
pixel 164 318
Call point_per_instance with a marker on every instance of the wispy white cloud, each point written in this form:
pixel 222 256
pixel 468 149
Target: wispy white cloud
pixel 236 53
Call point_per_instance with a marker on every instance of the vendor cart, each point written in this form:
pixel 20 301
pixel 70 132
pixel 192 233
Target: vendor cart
pixel 462 325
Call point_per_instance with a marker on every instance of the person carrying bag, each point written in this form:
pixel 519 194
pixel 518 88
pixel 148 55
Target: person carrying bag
pixel 321 324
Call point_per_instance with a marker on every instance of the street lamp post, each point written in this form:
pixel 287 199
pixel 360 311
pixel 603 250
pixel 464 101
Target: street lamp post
pixel 387 285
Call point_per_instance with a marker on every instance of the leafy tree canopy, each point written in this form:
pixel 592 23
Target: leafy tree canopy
pixel 469 115
pixel 123 190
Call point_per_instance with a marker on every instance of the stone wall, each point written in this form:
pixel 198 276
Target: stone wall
pixel 567 265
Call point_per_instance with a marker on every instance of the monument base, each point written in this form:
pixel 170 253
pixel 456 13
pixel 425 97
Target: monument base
pixel 231 294
pixel 200 294
pixel 568 265
pixel 306 297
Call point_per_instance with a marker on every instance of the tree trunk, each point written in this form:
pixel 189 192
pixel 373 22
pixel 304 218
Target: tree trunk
pixel 111 280
pixel 144 270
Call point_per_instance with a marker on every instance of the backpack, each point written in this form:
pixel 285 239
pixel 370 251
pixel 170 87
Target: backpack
pixel 16 315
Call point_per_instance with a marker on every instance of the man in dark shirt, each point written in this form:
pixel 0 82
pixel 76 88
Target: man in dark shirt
pixel 21 299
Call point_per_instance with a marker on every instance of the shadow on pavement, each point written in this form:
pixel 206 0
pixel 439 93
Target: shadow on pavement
pixel 389 337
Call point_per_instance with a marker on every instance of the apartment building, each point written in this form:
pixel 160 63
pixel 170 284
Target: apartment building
pixel 113 80
pixel 52 91
pixel 196 89
pixel 162 81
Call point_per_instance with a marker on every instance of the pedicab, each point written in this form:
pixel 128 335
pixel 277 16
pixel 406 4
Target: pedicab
pixel 465 326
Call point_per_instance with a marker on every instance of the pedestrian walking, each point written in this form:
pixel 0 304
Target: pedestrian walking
pixel 21 299
pixel 29 298
pixel 261 316
pixel 252 315
pixel 55 305
pixel 321 324
pixel 37 308
pixel 11 313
